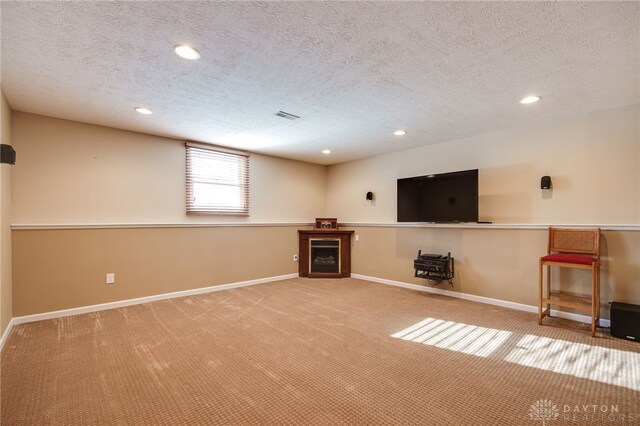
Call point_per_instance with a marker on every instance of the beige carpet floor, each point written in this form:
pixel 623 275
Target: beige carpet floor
pixel 316 352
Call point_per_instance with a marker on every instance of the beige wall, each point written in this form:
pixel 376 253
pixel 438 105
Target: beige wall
pixel 75 173
pixel 5 221
pixel 593 160
pixel 71 172
pixel 496 263
pixel 61 269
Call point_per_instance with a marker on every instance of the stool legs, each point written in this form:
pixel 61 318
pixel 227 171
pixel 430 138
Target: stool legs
pixel 567 300
pixel 540 294
pixel 595 297
pixel 548 290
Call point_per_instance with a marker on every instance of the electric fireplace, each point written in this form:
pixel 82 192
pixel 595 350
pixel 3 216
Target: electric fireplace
pixel 324 253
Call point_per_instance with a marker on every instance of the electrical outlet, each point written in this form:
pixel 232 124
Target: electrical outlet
pixel 295 257
pixel 111 278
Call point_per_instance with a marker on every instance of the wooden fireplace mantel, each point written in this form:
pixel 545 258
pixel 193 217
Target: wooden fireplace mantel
pixel 304 252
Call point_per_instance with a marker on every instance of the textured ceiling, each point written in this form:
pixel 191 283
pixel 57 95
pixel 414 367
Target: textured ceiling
pixel 354 71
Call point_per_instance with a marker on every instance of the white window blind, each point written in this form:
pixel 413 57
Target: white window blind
pixel 217 180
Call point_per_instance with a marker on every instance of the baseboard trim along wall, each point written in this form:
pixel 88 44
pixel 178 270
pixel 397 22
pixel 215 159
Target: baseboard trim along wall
pixel 121 303
pixel 6 333
pixel 140 300
pixel 481 299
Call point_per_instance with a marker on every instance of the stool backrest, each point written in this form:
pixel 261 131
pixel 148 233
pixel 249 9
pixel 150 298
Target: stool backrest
pixel 580 241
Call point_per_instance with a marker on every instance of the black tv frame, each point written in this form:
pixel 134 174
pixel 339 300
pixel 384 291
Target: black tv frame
pixel 458 193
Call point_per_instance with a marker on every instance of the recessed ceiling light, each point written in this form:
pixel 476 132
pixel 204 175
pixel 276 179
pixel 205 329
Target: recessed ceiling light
pixel 530 99
pixel 326 151
pixel 143 110
pixel 187 52
pixel 400 132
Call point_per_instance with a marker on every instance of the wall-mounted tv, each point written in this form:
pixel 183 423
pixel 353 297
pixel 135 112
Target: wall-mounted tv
pixel 445 197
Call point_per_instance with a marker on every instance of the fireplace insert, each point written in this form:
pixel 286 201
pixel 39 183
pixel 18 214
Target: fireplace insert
pixel 324 255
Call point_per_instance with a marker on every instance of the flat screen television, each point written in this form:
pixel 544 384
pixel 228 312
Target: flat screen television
pixel 444 198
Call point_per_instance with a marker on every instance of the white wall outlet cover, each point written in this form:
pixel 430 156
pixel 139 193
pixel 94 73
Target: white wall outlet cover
pixel 111 278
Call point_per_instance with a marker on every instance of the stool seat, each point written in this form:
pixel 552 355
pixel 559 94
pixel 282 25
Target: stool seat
pixel 569 258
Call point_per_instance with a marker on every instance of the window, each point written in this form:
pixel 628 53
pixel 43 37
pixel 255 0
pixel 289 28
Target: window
pixel 217 180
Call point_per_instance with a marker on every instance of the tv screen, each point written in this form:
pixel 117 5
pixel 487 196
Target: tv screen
pixel 445 197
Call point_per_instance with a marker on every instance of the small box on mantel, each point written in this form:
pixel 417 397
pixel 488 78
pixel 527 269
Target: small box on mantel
pixel 326 223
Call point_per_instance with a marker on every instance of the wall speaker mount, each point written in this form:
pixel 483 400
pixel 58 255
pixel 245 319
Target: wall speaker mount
pixel 545 182
pixel 7 154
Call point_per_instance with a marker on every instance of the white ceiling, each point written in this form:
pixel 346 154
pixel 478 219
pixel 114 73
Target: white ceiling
pixel 354 71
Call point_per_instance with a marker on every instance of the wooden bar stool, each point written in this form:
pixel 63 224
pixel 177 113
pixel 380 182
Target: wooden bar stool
pixel 571 248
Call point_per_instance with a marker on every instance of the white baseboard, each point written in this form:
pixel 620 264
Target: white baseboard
pixel 147 299
pixel 140 300
pixel 5 335
pixel 497 302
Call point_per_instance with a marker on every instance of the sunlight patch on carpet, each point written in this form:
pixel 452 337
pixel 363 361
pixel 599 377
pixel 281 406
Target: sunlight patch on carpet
pixel 612 366
pixel 464 338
